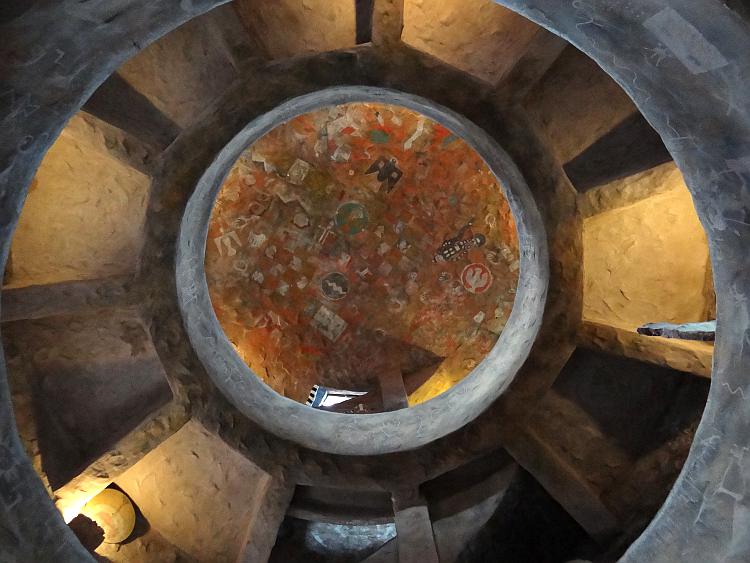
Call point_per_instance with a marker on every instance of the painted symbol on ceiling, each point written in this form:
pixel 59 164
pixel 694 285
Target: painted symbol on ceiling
pixel 335 286
pixel 298 172
pixel 351 218
pixel 476 278
pixel 455 248
pixel 228 243
pixel 388 172
pixel 329 324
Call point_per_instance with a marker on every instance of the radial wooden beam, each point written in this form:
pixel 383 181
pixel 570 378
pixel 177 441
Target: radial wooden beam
pixel 364 13
pixel 118 103
pixel 40 301
pixel 631 147
pixel 393 390
pixel 562 481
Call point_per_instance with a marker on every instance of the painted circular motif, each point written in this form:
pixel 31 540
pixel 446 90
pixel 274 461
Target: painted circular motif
pixel 351 218
pixel 476 278
pixel 335 286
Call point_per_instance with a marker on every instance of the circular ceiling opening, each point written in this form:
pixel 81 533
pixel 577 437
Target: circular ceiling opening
pixel 362 250
pixel 362 258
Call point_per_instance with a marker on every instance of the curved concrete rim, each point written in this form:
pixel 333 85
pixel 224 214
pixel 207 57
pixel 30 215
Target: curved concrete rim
pixel 381 433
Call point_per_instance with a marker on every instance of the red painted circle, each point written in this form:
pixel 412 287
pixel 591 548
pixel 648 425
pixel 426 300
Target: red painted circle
pixel 476 278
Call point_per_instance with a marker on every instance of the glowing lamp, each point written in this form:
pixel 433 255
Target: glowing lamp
pixel 114 513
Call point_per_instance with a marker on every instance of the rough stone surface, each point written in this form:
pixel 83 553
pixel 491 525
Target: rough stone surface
pixel 92 379
pixel 453 533
pixel 576 104
pixel 630 190
pixel 40 301
pixel 119 458
pixel 143 119
pixel 99 204
pixel 414 536
pixel 645 262
pixel 113 141
pixel 388 23
pixel 263 528
pixel 631 147
pixel 287 28
pixel 182 73
pixel 194 477
pixel 149 548
pixel 477 36
pixel 93 41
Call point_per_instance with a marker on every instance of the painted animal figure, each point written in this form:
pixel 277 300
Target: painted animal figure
pixel 455 248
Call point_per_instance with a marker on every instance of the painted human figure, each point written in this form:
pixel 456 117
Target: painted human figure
pixel 455 248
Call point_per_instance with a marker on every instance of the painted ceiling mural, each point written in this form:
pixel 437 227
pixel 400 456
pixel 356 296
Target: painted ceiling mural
pixel 360 241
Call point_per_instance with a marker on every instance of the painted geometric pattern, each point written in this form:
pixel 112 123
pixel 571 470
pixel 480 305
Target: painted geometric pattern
pixel 360 238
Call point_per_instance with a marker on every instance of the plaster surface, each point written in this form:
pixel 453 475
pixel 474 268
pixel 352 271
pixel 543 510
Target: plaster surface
pixel 576 104
pixel 646 262
pixel 96 200
pixel 479 37
pixel 287 28
pixel 183 72
pixel 632 189
pixel 92 379
pixel 195 477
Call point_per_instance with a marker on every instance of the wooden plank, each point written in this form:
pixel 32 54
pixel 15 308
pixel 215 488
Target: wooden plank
pixel 562 482
pixel 393 390
pixel 118 103
pixel 41 301
pixel 364 13
pixel 631 147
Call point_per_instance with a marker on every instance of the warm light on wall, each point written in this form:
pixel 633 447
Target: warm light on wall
pixel 114 513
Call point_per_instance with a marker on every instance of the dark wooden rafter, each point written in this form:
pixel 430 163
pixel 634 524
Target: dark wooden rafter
pixel 563 482
pixel 633 146
pixel 120 104
pixel 64 298
pixel 364 10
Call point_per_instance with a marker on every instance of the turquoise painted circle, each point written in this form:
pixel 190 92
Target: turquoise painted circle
pixel 351 218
